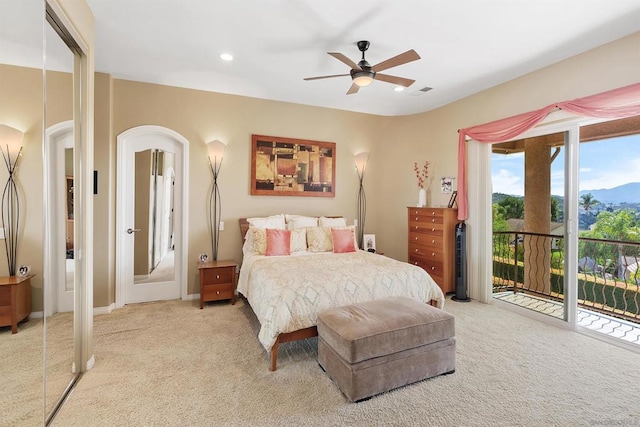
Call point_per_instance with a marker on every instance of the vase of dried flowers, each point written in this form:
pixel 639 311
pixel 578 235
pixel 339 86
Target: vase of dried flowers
pixel 422 175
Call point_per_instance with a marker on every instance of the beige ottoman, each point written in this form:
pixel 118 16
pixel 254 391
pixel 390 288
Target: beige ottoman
pixel 376 346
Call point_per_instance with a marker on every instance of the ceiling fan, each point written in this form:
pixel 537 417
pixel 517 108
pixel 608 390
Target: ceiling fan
pixel 364 74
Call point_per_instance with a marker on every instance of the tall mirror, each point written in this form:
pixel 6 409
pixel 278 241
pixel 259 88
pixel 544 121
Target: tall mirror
pixel 58 162
pixel 21 108
pixel 153 253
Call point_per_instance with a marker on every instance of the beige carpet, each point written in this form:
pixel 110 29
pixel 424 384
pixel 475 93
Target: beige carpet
pixel 171 364
pixel 22 398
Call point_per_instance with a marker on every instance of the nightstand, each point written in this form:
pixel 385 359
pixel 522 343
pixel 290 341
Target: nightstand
pixel 217 281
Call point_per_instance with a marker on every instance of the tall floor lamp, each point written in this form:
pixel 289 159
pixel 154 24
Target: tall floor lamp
pixel 216 150
pixel 361 164
pixel 11 147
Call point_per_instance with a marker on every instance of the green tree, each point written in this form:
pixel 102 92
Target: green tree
pixel 499 223
pixel 555 209
pixel 620 225
pixel 587 201
pixel 512 207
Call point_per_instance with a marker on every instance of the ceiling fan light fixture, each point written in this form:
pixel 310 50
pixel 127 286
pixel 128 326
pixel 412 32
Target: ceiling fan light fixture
pixel 362 78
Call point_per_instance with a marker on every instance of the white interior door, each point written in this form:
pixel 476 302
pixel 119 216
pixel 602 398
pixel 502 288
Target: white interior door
pixel 129 287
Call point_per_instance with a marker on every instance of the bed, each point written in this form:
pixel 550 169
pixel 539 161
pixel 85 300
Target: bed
pixel 286 292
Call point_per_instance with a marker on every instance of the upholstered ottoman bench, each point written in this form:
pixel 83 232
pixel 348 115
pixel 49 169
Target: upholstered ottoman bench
pixel 376 346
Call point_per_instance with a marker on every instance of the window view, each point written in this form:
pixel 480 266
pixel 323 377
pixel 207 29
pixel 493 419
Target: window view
pixel 529 258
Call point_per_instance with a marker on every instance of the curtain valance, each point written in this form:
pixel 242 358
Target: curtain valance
pixel 618 103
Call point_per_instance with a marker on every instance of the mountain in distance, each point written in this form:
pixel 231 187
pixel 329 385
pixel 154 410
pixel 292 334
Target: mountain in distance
pixel 626 193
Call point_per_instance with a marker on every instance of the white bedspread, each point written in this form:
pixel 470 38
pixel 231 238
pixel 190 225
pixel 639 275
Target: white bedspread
pixel 287 292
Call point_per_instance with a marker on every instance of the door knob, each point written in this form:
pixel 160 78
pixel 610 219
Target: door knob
pixel 132 230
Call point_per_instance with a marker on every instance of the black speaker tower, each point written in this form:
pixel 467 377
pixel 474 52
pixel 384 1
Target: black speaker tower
pixel 461 263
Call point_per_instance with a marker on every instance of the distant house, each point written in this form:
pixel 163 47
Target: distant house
pixel 629 268
pixel 557 229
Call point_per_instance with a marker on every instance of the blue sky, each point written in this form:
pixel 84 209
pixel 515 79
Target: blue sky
pixel 603 164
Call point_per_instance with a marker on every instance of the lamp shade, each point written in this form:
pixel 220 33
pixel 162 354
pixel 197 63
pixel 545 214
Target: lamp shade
pixel 361 163
pixel 216 151
pixel 362 78
pixel 10 140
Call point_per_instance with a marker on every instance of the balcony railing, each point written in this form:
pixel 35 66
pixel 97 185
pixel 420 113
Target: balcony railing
pixel 533 263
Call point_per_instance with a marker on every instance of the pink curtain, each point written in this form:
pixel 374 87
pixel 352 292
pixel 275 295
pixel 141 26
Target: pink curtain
pixel 618 103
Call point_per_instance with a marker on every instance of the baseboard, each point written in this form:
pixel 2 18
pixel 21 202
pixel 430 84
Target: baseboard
pixel 104 310
pixel 191 297
pixel 36 314
pixel 91 362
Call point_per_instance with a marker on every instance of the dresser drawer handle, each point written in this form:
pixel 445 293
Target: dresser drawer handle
pixel 416 250
pixel 217 276
pixel 217 292
pixel 416 238
pixel 433 268
pixel 433 254
pixel 433 220
pixel 416 227
pixel 433 212
pixel 433 241
pixel 415 263
pixel 416 218
pixel 433 229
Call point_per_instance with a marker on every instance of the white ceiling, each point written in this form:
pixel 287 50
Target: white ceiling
pixel 466 45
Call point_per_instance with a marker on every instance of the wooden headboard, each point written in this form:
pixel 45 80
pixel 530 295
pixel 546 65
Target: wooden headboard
pixel 244 227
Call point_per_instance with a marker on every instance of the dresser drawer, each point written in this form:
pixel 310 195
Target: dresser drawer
pixel 214 276
pixel 426 212
pixel 434 229
pixel 218 292
pixel 426 240
pixel 435 270
pixel 426 252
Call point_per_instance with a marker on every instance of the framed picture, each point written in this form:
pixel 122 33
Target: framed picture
pixel 292 167
pixel 369 242
pixel 452 200
pixel 446 185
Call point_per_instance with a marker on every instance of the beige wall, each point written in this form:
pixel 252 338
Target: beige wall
pixel 201 117
pixel 21 108
pixel 433 136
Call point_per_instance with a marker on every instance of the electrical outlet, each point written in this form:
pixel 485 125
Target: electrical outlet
pixel 355 222
pixel 221 226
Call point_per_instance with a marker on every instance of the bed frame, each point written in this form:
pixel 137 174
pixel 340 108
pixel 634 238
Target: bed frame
pixel 300 334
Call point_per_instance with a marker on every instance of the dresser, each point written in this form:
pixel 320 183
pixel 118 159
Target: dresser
pixel 217 281
pixel 432 243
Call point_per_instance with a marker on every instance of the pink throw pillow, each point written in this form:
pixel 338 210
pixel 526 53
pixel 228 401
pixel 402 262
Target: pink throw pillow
pixel 278 242
pixel 343 240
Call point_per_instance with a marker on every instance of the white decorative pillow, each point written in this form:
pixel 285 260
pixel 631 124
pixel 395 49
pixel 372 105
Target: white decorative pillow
pixel 289 218
pixel 302 222
pixel 273 221
pixel 319 239
pixel 259 240
pixel 298 240
pixel 332 222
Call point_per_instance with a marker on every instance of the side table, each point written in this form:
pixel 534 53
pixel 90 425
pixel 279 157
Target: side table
pixel 15 300
pixel 217 281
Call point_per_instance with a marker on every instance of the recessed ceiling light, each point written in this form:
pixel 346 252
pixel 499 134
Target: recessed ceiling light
pixel 398 88
pixel 227 57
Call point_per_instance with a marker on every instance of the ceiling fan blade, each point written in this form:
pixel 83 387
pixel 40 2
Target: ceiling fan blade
pixel 353 89
pixel 403 58
pixel 326 77
pixel 342 58
pixel 401 81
